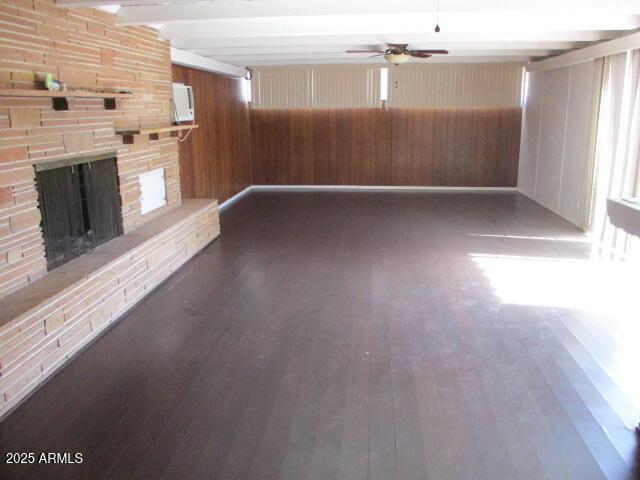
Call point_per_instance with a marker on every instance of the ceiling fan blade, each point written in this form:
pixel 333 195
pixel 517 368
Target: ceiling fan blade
pixel 364 51
pixel 416 54
pixel 378 55
pixel 432 52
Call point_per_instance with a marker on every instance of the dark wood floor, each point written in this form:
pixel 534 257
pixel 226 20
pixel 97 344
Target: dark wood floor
pixel 352 336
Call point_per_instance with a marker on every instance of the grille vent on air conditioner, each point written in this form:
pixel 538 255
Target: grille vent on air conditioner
pixel 183 101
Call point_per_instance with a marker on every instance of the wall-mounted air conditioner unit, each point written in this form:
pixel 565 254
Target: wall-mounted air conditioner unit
pixel 183 102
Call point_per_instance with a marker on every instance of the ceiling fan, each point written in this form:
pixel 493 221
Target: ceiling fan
pixel 399 53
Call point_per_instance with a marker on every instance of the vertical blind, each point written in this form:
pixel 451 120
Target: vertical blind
pixel 410 86
pixel 282 88
pixel 345 87
pixel 456 85
pixel 316 87
pixel 617 160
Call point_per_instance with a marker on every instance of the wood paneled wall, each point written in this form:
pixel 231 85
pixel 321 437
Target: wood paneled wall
pixel 215 162
pixel 475 147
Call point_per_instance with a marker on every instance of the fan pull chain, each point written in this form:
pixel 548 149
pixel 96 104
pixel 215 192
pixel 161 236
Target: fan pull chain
pixel 438 17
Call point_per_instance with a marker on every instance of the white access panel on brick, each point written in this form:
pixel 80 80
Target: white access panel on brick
pixel 152 190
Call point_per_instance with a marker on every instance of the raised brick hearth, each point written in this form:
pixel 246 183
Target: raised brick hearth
pixel 44 324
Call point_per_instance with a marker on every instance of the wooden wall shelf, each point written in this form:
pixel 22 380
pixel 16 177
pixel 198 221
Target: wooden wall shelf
pixel 60 99
pixel 15 92
pixel 150 131
pixel 130 135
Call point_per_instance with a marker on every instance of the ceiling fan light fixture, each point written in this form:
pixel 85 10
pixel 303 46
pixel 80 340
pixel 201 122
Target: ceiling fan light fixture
pixel 397 58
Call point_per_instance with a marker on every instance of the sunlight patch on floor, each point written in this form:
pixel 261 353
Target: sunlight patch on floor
pixel 592 285
pixel 606 290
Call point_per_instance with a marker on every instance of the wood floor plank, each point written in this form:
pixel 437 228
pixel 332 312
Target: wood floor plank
pixel 382 429
pixel 355 439
pixel 351 337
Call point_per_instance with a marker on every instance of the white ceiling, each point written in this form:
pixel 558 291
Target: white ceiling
pixel 285 32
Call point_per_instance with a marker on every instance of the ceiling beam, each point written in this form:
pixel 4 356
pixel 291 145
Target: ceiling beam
pixel 498 22
pixel 380 61
pixel 439 40
pixel 619 45
pixel 473 46
pixel 188 59
pixel 250 59
pixel 158 11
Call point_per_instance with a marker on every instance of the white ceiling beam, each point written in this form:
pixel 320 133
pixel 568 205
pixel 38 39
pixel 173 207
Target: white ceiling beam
pixel 173 13
pixel 220 52
pixel 381 61
pixel 434 40
pixel 359 57
pixel 188 59
pixel 612 47
pixel 497 22
pixel 237 8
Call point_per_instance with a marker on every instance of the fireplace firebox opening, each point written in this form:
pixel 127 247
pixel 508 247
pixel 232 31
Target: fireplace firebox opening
pixel 80 206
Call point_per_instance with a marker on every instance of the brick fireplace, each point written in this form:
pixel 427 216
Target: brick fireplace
pixel 48 314
pixel 86 50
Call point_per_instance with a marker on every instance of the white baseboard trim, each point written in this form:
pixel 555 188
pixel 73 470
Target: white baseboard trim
pixel 375 188
pixel 229 201
pixel 359 188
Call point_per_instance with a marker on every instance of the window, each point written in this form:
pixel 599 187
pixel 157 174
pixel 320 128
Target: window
pixel 246 90
pixel 524 88
pixel 384 84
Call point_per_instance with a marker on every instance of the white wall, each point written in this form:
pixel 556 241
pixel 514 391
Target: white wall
pixel 556 134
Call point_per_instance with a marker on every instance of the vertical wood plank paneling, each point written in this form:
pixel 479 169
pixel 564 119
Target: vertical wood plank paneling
pixel 418 146
pixel 215 161
pixel 365 147
pixel 437 147
pixel 398 141
pixel 489 171
pixel 382 147
pixel 467 156
pixel 294 147
pixel 331 138
pixel 427 153
pixel 342 148
pixel 475 122
pixel 481 147
pixel 442 157
pixel 516 128
pixel 450 145
pixel 460 162
pixel 281 159
pixel 411 147
pixel 320 147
